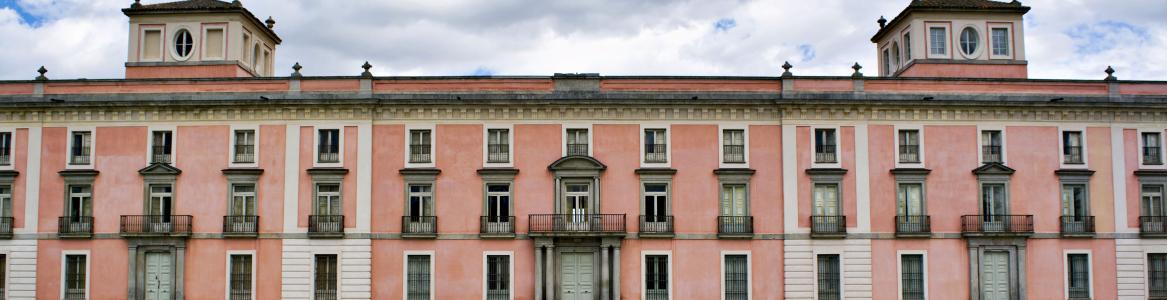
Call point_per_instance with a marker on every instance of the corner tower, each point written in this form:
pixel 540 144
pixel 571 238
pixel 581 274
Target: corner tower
pixel 953 38
pixel 198 39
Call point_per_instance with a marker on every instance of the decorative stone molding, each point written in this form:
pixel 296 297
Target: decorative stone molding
pixel 242 174
pixel 327 174
pixel 7 177
pixel 910 174
pixel 826 174
pixel 78 176
pixel 420 174
pixel 734 174
pixel 498 174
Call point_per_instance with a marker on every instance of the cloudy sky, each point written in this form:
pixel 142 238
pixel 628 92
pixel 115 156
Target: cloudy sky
pixel 1065 38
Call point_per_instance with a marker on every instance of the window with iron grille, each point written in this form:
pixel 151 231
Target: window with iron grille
pixel 162 146
pixel 1072 147
pixel 328 150
pixel 244 146
pixel 3 276
pixel 498 147
pixel 655 146
pixel 498 277
pixel 991 146
pixel 1152 145
pixel 736 278
pixel 577 141
pixel 828 277
pixel 420 146
pixel 912 275
pixel 1157 275
pixel 81 146
pixel 1078 276
pixel 240 277
pixel 75 274
pixel 5 148
pixel 656 277
pixel 733 143
pixel 418 277
pixel 825 146
pixel 325 278
pixel 909 146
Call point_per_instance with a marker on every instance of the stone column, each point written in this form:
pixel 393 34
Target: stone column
pixel 616 271
pixel 132 286
pixel 604 282
pixel 538 272
pixel 550 269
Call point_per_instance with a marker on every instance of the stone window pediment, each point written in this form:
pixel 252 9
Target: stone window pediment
pixel 991 170
pixel 577 163
pixel 160 172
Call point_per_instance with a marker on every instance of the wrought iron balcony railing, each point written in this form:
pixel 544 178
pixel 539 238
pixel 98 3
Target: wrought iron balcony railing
pixel 825 154
pixel 75 227
pixel 326 226
pixel 497 226
pixel 419 226
pixel 498 153
pixel 1077 225
pixel 909 153
pixel 656 153
pixel 828 226
pixel 577 224
pixel 996 224
pixel 991 154
pixel 6 224
pixel 420 154
pixel 156 225
pixel 735 226
pixel 653 225
pixel 733 154
pixel 240 226
pixel 1153 226
pixel 913 226
pixel 574 149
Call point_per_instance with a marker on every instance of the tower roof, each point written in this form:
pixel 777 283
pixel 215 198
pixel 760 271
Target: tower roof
pixel 198 6
pixel 951 6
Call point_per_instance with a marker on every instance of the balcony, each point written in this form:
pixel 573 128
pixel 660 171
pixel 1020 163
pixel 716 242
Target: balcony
pixel 425 227
pixel 577 225
pixel 244 154
pixel 75 227
pixel 6 227
pixel 996 225
pixel 496 227
pixel 160 155
pixel 909 154
pixel 991 154
pixel 1072 155
pixel 579 149
pixel 828 226
pixel 913 226
pixel 241 226
pixel 1153 226
pixel 498 153
pixel 655 227
pixel 1151 156
pixel 1077 226
pixel 656 153
pixel 735 227
pixel 733 154
pixel 825 154
pixel 420 154
pixel 326 226
pixel 156 226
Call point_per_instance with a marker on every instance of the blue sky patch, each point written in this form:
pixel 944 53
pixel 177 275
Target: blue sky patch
pixel 25 17
pixel 1106 35
pixel 482 71
pixel 724 24
pixel 806 51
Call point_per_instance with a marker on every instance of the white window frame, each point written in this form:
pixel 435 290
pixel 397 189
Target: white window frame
pixel 254 261
pixel 668 145
pixel 1146 251
pixel 1139 140
pixel 745 145
pixel 173 129
pixel 92 147
pixel 433 145
pixel 1062 143
pixel 88 273
pixel 814 267
pixel 591 134
pixel 1008 26
pixel 928 26
pixel 900 272
pixel 254 194
pixel 1089 269
pixel 669 256
pixel 485 272
pixel 8 273
pixel 170 39
pixel 838 147
pixel 231 147
pixel 1004 143
pixel 749 272
pixel 316 146
pixel 12 150
pixel 980 42
pixel 161 29
pixel 244 54
pixel 896 145
pixel 433 276
pixel 203 48
pixel 312 270
pixel 906 52
pixel 885 60
pixel 510 128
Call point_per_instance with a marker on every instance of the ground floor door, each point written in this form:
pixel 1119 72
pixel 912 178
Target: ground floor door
pixel 159 277
pixel 578 276
pixel 995 275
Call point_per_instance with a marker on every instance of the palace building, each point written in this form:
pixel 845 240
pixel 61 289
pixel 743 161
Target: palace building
pixel 208 174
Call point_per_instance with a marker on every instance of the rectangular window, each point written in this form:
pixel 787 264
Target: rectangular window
pixel 824 146
pixel 498 202
pixel 828 277
pixel 420 201
pixel 498 277
pixel 656 202
pixel 420 146
pixel 80 202
pixel 1000 41
pixel 151 45
pixel 328 199
pixel 991 146
pixel 243 200
pixel 737 285
pixel 213 43
pixel 1157 275
pixel 733 146
pixel 577 142
pixel 5 148
pixel 1153 201
pixel 162 146
pixel 655 146
pixel 1074 201
pixel 325 278
pixel 733 200
pixel 909 148
pixel 240 278
pixel 656 277
pixel 75 277
pixel 6 203
pixel 246 44
pixel 886 62
pixel 418 277
pixel 912 276
pixel 244 146
pixel 1152 155
pixel 498 147
pixel 937 41
pixel 160 204
pixel 3 276
pixel 1072 147
pixel 81 145
pixel 910 199
pixel 993 202
pixel 826 199
pixel 1078 276
pixel 907 47
pixel 329 147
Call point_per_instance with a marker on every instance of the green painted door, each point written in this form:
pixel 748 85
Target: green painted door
pixel 995 275
pixel 578 277
pixel 159 280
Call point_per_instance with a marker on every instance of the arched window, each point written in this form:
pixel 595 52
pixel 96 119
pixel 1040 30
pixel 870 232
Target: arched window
pixel 969 41
pixel 183 43
pixel 895 55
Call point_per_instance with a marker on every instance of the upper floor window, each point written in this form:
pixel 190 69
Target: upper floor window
pixel 498 203
pixel 1072 147
pixel 655 146
pixel 80 197
pixel 826 200
pixel 240 279
pixel 656 202
pixel 1152 198
pixel 886 62
pixel 498 147
pixel 1000 39
pixel 937 40
pixel 5 148
pixel 6 206
pixel 81 145
pixel 421 197
pixel 243 200
pixel 825 146
pixel 907 46
pixel 244 146
pixel 991 146
pixel 909 146
pixel 895 55
pixel 328 199
pixel 420 146
pixel 577 141
pixel 162 146
pixel 160 204
pixel 183 43
pixel 213 43
pixel 1152 145
pixel 970 40
pixel 910 199
pixel 329 148
pixel 1074 202
pixel 151 45
pixel 733 146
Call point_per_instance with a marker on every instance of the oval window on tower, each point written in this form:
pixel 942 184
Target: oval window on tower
pixel 183 43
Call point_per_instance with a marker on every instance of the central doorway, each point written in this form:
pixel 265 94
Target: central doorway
pixel 578 276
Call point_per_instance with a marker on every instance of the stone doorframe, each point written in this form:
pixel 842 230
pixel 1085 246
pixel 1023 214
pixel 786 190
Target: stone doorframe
pixel 1016 247
pixel 136 289
pixel 547 266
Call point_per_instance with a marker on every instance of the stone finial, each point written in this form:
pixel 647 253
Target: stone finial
pixel 137 4
pixel 857 74
pixel 882 22
pixel 296 67
pixel 367 66
pixel 786 69
pixel 236 3
pixel 42 70
pixel 271 23
pixel 1110 74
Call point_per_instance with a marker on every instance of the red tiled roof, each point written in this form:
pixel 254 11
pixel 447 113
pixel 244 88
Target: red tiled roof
pixel 186 5
pixel 198 6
